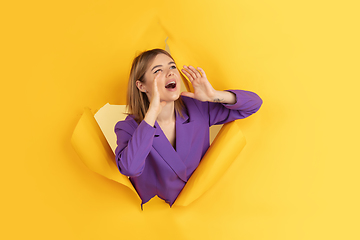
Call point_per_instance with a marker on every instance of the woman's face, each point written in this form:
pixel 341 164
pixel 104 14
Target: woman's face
pixel 168 82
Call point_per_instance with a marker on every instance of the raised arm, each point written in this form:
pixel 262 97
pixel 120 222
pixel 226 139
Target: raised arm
pixel 135 141
pixel 221 106
pixel 246 104
pixel 134 145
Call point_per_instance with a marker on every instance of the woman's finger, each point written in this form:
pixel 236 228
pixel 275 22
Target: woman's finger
pixel 196 72
pixel 157 75
pixel 188 94
pixel 202 72
pixel 155 82
pixel 187 74
pixel 191 72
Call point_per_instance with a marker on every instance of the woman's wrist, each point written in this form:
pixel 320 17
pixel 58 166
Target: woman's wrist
pixel 150 117
pixel 224 97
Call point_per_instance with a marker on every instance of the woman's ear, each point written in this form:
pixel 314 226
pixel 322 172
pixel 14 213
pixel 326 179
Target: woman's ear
pixel 140 86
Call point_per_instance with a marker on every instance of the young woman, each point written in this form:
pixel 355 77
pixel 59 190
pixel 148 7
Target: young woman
pixel 165 135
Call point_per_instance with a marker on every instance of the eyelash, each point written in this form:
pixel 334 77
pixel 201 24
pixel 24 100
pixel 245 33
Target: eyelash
pixel 170 67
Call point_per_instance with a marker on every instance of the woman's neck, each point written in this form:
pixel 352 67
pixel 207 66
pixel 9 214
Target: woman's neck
pixel 167 114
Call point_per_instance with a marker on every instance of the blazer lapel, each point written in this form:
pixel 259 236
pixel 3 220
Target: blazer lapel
pixel 162 145
pixel 184 131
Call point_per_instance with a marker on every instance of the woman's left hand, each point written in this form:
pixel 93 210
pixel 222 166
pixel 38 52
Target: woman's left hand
pixel 203 91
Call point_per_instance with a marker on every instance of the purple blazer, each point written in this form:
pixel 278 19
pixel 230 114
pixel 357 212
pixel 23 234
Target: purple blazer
pixel 153 165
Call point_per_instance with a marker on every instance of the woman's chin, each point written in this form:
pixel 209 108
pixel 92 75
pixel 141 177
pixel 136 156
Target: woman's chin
pixel 172 96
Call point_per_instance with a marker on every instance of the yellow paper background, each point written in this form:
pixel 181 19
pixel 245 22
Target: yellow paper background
pixel 297 177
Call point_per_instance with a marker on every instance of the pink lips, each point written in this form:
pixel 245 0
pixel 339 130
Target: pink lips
pixel 170 80
pixel 171 85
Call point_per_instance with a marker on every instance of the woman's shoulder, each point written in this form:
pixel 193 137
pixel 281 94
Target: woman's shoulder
pixel 128 123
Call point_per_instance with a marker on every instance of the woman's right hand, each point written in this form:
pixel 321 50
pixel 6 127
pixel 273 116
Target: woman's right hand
pixel 156 104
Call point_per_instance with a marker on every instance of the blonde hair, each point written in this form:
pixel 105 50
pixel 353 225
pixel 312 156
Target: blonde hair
pixel 137 101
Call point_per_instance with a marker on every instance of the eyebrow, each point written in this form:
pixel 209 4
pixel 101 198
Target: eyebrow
pixel 161 65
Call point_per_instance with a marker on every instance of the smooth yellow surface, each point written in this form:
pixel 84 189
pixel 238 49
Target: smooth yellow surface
pixel 223 151
pixel 296 178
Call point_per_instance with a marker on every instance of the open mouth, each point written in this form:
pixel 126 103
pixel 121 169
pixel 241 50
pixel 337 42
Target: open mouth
pixel 171 85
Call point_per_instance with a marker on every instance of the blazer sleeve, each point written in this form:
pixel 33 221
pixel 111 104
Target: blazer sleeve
pixel 134 144
pixel 247 103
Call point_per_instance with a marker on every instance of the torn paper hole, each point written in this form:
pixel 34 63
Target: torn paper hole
pixel 94 150
pixel 107 117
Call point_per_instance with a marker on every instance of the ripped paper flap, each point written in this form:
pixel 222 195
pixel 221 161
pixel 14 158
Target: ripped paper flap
pixel 93 149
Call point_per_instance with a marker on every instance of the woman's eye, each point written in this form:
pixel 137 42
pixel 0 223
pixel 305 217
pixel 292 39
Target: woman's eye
pixel 172 67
